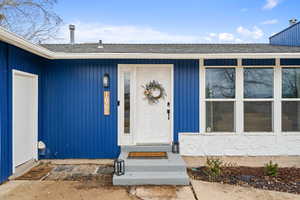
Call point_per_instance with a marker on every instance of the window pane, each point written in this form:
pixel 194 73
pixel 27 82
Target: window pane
pixel 127 102
pixel 220 116
pixel 291 82
pixel 258 116
pixel 290 116
pixel 220 82
pixel 258 83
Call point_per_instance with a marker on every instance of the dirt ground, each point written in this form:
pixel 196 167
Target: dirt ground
pixel 88 182
pixel 286 180
pixel 63 190
pixel 217 191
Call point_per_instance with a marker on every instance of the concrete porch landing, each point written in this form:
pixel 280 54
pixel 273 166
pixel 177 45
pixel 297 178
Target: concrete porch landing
pixel 171 171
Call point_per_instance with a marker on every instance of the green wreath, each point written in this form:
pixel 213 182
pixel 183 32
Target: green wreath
pixel 150 88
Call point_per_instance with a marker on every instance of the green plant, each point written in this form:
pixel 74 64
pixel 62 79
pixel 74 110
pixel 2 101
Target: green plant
pixel 213 168
pixel 271 169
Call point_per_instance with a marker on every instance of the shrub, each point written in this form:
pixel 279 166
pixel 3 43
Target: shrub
pixel 271 169
pixel 213 168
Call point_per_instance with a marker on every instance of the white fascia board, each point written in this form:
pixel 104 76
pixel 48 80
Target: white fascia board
pixel 170 56
pixel 13 39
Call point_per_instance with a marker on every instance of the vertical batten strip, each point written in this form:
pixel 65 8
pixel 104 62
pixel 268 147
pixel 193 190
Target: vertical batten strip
pixel 277 98
pixel 202 109
pixel 239 94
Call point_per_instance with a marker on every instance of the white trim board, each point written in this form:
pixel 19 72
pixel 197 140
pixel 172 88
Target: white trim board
pixel 13 39
pixel 16 73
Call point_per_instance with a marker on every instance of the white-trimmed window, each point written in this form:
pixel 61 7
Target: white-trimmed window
pixel 250 99
pixel 290 104
pixel 220 99
pixel 258 99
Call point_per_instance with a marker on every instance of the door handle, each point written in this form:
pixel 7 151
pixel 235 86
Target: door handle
pixel 168 112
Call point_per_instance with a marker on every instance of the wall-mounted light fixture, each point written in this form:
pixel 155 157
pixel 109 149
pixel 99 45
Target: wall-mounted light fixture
pixel 106 80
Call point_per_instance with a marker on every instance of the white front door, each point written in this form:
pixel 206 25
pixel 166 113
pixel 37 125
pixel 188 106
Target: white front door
pixel 142 122
pixel 153 120
pixel 25 105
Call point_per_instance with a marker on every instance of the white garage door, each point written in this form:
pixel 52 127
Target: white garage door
pixel 25 101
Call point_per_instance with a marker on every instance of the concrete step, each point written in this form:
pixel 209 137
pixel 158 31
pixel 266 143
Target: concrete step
pixel 152 178
pixel 170 171
pixel 174 163
pixel 144 148
pixel 155 168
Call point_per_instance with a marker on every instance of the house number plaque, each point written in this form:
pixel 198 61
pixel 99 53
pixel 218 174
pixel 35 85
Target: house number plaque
pixel 106 102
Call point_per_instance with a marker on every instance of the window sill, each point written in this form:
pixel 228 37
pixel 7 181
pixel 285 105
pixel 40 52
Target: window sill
pixel 290 133
pixel 259 133
pixel 241 134
pixel 209 134
pixel 218 133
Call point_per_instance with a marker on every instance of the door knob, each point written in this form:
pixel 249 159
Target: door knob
pixel 168 112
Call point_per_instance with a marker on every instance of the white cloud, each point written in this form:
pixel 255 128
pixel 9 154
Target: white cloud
pixel 271 21
pixel 255 33
pixel 270 4
pixel 208 39
pixel 238 40
pixel 226 37
pixel 212 35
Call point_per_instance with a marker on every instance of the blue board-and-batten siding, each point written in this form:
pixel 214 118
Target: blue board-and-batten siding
pixel 220 62
pixel 289 37
pixel 71 120
pixel 5 169
pixel 12 58
pixel 73 88
pixel 258 62
pixel 290 61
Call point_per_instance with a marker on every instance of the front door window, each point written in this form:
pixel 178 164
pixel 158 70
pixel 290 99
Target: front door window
pixel 127 102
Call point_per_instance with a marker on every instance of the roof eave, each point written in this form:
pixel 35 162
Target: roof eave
pixel 13 39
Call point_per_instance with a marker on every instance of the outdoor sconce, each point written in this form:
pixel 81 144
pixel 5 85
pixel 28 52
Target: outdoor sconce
pixel 175 147
pixel 106 81
pixel 119 166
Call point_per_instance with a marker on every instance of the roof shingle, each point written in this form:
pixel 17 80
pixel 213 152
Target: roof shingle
pixel 171 48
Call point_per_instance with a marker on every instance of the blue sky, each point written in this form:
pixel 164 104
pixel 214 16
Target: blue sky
pixel 176 21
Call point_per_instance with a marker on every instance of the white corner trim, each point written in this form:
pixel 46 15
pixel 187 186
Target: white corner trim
pixel 13 39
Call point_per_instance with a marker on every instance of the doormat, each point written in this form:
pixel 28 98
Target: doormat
pixel 147 155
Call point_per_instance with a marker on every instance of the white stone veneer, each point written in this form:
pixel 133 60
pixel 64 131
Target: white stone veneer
pixel 195 144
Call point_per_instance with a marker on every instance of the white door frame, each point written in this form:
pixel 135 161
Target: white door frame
pixel 130 139
pixel 35 77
